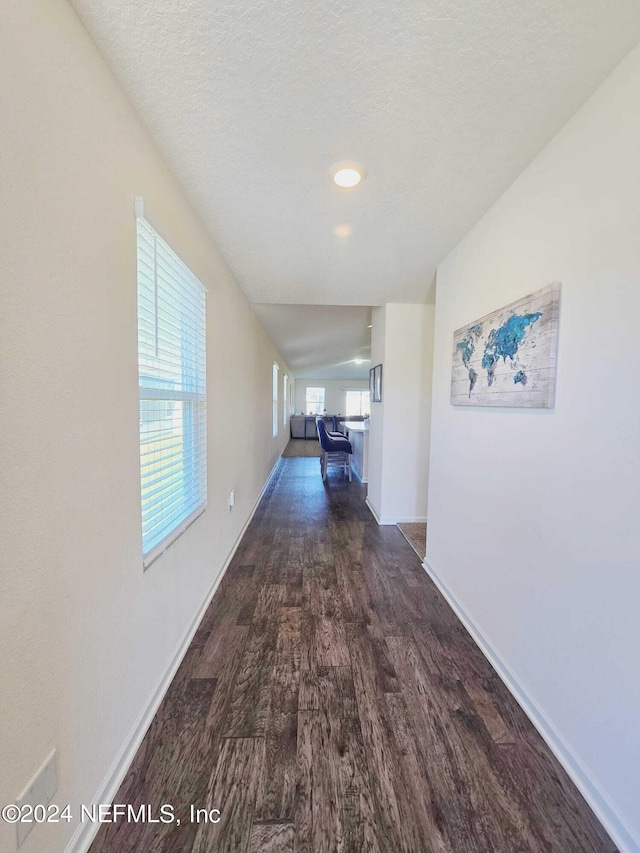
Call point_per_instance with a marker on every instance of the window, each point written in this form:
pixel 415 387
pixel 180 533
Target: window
pixel 357 403
pixel 315 401
pixel 275 399
pixel 285 385
pixel 172 393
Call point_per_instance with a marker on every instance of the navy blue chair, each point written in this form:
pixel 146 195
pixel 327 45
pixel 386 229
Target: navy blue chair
pixel 336 449
pixel 334 431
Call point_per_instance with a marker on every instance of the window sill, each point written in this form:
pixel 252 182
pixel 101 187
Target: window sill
pixel 159 550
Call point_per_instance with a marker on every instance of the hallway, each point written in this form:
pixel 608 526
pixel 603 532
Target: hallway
pixel 331 701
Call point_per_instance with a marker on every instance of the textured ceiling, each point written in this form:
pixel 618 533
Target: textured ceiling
pixel 444 102
pixel 320 341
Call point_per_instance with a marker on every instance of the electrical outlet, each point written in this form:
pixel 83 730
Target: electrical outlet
pixel 38 792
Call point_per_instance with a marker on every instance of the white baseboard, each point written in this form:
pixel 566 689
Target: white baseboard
pixel 388 519
pixel 85 832
pixel 372 510
pixel 598 799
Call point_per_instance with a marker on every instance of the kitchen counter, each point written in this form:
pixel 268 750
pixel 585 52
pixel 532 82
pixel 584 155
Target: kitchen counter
pixel 355 426
pixel 358 434
pixel 304 426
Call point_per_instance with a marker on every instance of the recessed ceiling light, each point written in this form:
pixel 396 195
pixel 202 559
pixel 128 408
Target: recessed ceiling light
pixel 370 326
pixel 348 175
pixel 358 360
pixel 343 230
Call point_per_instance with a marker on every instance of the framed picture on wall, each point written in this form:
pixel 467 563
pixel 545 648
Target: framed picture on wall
pixel 375 384
pixel 508 357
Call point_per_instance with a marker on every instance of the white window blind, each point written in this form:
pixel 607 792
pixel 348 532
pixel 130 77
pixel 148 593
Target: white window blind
pixel 275 399
pixel 172 392
pixel 285 383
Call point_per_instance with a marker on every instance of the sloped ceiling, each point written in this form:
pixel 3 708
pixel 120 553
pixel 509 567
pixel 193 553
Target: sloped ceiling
pixel 320 341
pixel 443 101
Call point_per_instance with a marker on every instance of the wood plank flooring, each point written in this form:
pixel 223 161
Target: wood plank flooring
pixel 331 702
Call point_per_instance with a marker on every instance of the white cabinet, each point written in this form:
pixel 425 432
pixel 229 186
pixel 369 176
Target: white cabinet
pixel 359 438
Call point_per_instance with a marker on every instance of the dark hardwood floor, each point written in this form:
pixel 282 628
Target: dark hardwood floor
pixel 331 701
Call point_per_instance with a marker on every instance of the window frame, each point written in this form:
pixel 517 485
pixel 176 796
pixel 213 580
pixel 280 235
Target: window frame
pixel 306 398
pixel 182 294
pixel 285 389
pixel 362 392
pixel 275 388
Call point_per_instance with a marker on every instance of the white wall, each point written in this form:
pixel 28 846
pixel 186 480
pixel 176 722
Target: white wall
pixel 534 515
pixel 86 636
pixel 334 390
pixel 376 420
pixel 402 340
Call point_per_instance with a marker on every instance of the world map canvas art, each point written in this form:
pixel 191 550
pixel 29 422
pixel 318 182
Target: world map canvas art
pixel 508 358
